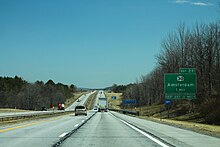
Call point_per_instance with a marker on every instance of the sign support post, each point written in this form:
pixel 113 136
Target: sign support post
pixel 168 114
pixel 192 105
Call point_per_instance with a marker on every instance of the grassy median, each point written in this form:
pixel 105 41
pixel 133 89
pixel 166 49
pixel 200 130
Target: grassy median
pixel 74 98
pixel 90 103
pixel 23 119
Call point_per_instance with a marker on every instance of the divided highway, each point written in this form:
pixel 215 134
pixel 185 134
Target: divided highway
pixel 44 132
pixel 83 99
pixel 105 130
pixel 100 129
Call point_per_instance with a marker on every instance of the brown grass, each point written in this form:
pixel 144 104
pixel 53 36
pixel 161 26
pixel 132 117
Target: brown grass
pixel 21 120
pixel 212 130
pixel 91 101
pixel 74 98
pixel 190 121
pixel 67 103
pixel 115 104
pixel 3 110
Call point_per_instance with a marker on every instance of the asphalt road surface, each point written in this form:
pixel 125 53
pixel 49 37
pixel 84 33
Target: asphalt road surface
pixel 40 133
pixel 100 129
pixel 44 132
pixel 105 130
pixel 114 129
pixel 172 135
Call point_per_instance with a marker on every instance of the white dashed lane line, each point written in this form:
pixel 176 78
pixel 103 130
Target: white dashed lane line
pixel 62 135
pixel 76 125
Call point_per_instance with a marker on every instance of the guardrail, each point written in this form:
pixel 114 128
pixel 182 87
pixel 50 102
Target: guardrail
pixel 125 111
pixel 32 115
pixel 39 114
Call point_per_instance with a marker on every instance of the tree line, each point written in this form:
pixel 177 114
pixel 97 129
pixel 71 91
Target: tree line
pixel 199 48
pixel 18 93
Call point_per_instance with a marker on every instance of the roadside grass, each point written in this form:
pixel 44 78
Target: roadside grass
pixel 21 120
pixel 212 130
pixel 91 101
pixel 150 110
pixel 67 103
pixel 190 121
pixel 180 116
pixel 114 104
pixel 40 117
pixel 6 110
pixel 74 98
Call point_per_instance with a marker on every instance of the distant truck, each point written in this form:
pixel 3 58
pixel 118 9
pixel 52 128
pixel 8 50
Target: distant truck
pixel 60 106
pixel 103 104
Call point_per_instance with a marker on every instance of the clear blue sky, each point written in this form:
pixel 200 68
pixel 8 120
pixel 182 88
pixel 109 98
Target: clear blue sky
pixel 91 43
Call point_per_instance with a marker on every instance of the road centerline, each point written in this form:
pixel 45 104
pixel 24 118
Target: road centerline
pixel 28 124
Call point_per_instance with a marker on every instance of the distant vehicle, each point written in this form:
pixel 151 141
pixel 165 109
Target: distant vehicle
pixel 103 104
pixel 44 109
pixel 96 108
pixel 78 100
pixel 61 106
pixel 80 110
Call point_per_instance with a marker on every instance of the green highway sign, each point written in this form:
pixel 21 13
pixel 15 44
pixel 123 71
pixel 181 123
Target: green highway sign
pixel 187 70
pixel 177 83
pixel 180 85
pixel 180 96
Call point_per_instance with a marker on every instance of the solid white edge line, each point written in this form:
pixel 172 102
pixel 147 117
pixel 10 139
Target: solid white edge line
pixel 145 134
pixel 62 135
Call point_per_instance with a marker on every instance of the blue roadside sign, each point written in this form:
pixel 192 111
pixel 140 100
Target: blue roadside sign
pixel 132 101
pixel 167 102
pixel 114 97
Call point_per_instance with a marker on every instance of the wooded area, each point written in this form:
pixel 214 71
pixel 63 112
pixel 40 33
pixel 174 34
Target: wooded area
pixel 18 93
pixel 197 48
